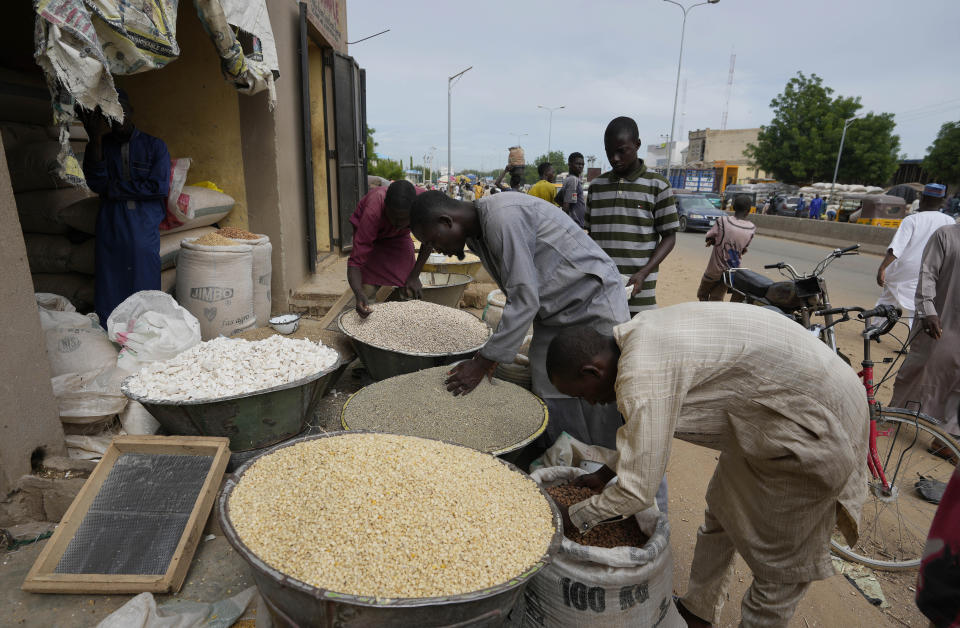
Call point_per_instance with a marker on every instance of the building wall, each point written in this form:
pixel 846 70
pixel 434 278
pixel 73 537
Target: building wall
pixel 29 418
pixel 190 106
pixel 709 146
pixel 234 140
pixel 729 145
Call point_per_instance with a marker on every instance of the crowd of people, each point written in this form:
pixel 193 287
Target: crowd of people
pixel 788 417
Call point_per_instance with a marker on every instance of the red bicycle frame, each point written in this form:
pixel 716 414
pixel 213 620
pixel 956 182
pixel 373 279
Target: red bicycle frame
pixel 873 456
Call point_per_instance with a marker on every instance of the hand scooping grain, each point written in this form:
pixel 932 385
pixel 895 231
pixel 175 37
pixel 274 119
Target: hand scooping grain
pixel 417 327
pixel 618 534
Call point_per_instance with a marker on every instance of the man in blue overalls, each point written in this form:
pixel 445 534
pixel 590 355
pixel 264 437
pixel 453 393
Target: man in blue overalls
pixel 130 170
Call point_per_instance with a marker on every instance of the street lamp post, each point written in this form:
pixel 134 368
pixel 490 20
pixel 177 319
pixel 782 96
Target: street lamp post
pixel 836 168
pixel 550 127
pixel 676 89
pixel 518 136
pixel 450 82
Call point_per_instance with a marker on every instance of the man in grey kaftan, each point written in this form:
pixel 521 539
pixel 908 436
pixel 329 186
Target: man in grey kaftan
pixel 553 275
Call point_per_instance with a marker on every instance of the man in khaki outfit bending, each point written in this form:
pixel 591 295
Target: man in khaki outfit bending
pixel 788 416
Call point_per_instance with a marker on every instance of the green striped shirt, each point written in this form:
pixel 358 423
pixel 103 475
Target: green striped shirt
pixel 627 217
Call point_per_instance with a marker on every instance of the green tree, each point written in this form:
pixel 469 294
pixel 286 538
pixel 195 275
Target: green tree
pixel 386 168
pixel 555 157
pixel 371 146
pixel 800 144
pixel 943 156
pixel 381 166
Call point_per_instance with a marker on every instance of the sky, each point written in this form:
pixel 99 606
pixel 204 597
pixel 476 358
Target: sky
pixel 601 59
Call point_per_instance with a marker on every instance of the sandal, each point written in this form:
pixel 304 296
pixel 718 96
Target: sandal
pixel 939 448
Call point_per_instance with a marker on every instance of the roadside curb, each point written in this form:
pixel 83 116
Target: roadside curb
pixel 872 239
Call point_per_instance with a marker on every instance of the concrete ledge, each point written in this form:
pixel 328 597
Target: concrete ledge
pixel 825 233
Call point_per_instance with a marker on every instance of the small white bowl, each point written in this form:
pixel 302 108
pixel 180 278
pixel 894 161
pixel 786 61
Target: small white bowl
pixel 285 323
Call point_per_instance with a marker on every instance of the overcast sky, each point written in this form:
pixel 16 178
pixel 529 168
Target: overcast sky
pixel 601 59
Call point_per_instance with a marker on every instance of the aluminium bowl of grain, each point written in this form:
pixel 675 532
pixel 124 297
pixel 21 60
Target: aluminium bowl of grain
pixel 432 534
pixel 253 418
pixel 497 417
pixel 407 336
pixel 444 288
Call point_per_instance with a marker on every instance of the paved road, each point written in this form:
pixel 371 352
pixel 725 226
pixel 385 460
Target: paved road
pixel 851 280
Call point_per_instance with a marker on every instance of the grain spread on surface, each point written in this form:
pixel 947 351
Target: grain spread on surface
pixel 390 516
pixel 491 417
pixel 417 327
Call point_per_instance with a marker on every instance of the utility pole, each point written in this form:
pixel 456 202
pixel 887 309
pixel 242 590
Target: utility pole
pixel 836 168
pixel 676 89
pixel 518 136
pixel 451 80
pixel 550 128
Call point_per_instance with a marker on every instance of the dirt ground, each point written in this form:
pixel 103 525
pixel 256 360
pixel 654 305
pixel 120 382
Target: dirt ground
pixel 833 602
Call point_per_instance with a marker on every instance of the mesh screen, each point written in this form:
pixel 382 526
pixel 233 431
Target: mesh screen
pixel 135 522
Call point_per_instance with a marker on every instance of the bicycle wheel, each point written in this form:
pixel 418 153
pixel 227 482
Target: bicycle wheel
pixel 894 524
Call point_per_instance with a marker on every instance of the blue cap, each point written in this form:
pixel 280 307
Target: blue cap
pixel 935 189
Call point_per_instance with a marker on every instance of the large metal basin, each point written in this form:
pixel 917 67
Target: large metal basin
pixel 503 451
pixel 251 421
pixel 297 604
pixel 444 288
pixel 382 363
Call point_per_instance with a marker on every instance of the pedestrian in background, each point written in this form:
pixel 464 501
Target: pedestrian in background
pixel 816 207
pixel 571 194
pixel 730 237
pixel 930 374
pixel 631 213
pixel 516 179
pixel 900 267
pixel 544 188
pixel 801 204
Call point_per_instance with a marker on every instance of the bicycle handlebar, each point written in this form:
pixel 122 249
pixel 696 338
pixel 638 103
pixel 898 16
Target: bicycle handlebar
pixel 881 310
pixel 777 265
pixel 838 310
pixel 847 249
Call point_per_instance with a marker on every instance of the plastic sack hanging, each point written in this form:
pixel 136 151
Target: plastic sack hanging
pixel 618 587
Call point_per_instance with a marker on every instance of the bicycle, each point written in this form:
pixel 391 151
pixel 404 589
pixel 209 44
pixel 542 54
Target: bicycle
pixel 895 519
pixel 797 297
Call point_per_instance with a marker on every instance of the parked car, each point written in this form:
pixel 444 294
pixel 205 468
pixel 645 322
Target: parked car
pixel 696 212
pixel 785 206
pixel 713 197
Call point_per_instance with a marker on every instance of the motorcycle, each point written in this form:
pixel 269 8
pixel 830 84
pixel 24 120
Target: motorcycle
pixel 799 297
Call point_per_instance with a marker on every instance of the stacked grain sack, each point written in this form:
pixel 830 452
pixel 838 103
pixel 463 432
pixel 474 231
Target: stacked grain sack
pixel 57 218
pixel 191 209
pixel 215 284
pixel 834 195
pixel 83 365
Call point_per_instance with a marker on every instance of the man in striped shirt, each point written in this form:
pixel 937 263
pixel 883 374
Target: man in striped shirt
pixel 631 213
